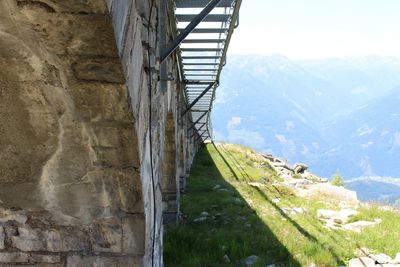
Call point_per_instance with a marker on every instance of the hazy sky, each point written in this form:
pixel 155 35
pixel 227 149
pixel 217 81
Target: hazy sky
pixel 305 29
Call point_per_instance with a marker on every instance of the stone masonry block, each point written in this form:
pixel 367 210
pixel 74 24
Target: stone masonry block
pixel 53 240
pixel 2 237
pixel 133 237
pixel 68 33
pixel 71 6
pixel 14 257
pixel 99 70
pixel 116 146
pixel 37 258
pixel 98 261
pixel 106 236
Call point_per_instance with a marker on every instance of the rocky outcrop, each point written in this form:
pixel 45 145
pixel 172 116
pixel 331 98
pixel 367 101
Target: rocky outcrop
pixel 339 220
pixel 287 171
pixel 368 259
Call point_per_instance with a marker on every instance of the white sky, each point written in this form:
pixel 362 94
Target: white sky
pixel 312 29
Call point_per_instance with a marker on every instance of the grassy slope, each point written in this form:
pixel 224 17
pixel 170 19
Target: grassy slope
pixel 245 221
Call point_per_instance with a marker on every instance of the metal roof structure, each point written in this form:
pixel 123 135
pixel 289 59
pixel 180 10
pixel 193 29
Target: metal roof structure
pixel 204 29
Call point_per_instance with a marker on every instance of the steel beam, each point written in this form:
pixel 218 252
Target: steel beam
pixel 207 30
pixel 194 22
pixel 194 123
pixel 209 18
pixel 201 49
pixel 200 57
pixel 200 69
pixel 199 97
pixel 201 136
pixel 203 41
pixel 200 3
pixel 198 130
pixel 163 40
pixel 199 81
pixel 202 64
pixel 201 75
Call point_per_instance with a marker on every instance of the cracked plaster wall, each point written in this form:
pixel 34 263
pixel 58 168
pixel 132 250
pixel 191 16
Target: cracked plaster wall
pixel 77 187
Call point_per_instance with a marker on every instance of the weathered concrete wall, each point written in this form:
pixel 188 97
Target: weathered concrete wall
pixel 82 134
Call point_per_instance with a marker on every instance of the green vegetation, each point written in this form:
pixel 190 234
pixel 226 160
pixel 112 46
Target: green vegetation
pixel 297 176
pixel 338 180
pixel 240 220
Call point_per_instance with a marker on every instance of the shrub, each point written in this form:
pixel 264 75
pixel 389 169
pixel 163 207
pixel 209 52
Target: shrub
pixel 337 180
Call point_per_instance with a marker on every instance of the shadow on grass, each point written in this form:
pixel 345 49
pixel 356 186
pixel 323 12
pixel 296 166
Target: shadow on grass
pixel 219 222
pixel 301 230
pixel 233 160
pixel 264 196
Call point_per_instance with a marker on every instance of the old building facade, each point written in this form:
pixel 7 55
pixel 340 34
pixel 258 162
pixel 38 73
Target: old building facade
pixel 93 148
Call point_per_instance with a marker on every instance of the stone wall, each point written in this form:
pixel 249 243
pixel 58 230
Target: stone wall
pixel 82 134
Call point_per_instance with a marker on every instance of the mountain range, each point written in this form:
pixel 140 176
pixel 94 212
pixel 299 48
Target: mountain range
pixel 336 115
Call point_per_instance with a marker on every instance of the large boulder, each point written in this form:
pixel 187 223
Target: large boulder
pixel 338 217
pixel 300 168
pixel 331 192
pixel 362 262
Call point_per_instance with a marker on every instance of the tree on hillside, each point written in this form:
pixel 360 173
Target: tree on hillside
pixel 337 180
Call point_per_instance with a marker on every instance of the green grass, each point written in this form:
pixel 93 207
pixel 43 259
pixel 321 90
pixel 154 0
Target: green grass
pixel 246 220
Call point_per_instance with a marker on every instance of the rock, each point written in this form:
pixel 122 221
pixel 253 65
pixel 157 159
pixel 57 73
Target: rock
pixel 323 191
pixel 312 265
pixel 255 184
pixel 133 234
pixel 381 258
pixel 268 157
pixel 276 200
pixel 293 211
pixel 271 265
pixel 200 219
pixel 359 225
pixel 223 190
pixel 226 259
pixel 362 262
pixel 299 182
pixel 13 257
pixel 54 240
pixel 2 236
pixel 45 258
pixel 299 168
pixel 8 215
pixel 299 210
pixel 106 236
pixel 251 260
pixel 216 187
pixel 100 261
pixel 339 217
pixel 397 258
pixel 204 214
pixel 99 70
pixel 237 200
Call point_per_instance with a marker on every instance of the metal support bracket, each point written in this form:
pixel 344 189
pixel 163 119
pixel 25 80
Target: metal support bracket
pixel 204 124
pixel 196 21
pixel 194 123
pixel 163 40
pixel 201 136
pixel 199 97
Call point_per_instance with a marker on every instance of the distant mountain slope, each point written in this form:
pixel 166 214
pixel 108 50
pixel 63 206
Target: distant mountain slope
pixel 367 139
pixel 337 114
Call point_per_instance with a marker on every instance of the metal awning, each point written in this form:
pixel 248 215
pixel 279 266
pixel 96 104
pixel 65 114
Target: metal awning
pixel 202 54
